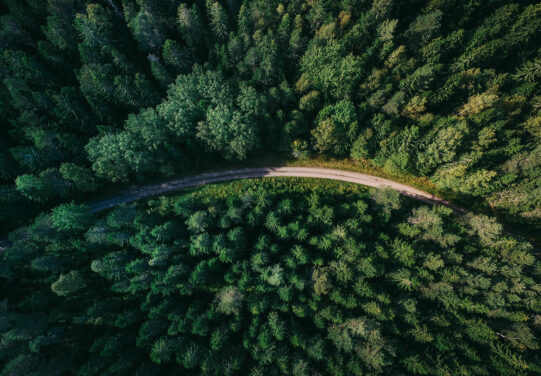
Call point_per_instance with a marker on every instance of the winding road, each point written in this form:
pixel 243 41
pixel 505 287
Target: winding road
pixel 134 194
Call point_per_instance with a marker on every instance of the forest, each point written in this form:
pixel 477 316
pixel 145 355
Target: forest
pixel 283 276
pixel 94 93
pixel 274 277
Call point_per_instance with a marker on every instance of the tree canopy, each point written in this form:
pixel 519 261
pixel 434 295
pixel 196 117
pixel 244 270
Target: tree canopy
pixel 269 277
pixel 100 92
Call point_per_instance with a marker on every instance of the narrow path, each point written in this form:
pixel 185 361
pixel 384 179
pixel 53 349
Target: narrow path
pixel 134 194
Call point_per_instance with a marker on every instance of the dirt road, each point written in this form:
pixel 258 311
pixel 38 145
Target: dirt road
pixel 134 194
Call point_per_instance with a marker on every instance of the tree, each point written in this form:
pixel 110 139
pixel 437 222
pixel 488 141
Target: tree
pixel 95 27
pixel 23 66
pixel 68 284
pixel 229 301
pixel 176 57
pixel 330 70
pixel 24 363
pixel 388 198
pixel 228 132
pixel 424 28
pixel 431 222
pixel 529 71
pixel 442 149
pixel 59 31
pixel 71 217
pixel 486 228
pixel 82 177
pixel 148 30
pixel 418 81
pixel 162 350
pixel 189 24
pixel 198 221
pixel 322 283
pixel 478 103
pixel 394 104
pixel 218 19
pixel 48 185
pixel 97 85
pixel 273 275
pixel 337 126
pixel 106 153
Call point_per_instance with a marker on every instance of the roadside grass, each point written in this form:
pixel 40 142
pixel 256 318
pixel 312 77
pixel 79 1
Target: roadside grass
pixel 366 167
pixel 363 166
pixel 477 205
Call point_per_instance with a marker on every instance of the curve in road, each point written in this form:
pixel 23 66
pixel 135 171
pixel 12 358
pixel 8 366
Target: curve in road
pixel 134 194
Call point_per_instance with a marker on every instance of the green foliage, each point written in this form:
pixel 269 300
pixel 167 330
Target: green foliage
pixel 141 89
pixel 174 55
pixel 226 131
pixel 295 275
pixel 83 178
pixel 71 217
pixel 315 281
pixel 46 186
pixel 68 284
pixel 229 301
pixel 387 198
pixel 329 69
pixel 336 126
pixel 425 27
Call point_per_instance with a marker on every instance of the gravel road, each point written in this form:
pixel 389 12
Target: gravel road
pixel 134 194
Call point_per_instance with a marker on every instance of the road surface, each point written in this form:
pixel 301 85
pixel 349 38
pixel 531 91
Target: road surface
pixel 134 194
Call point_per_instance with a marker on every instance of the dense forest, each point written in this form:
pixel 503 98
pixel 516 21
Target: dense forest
pixel 276 277
pixel 281 277
pixel 100 92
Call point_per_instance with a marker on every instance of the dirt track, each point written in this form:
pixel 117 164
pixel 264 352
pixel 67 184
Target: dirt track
pixel 134 194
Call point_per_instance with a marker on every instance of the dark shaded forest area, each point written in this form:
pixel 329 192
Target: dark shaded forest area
pixel 118 91
pixel 279 277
